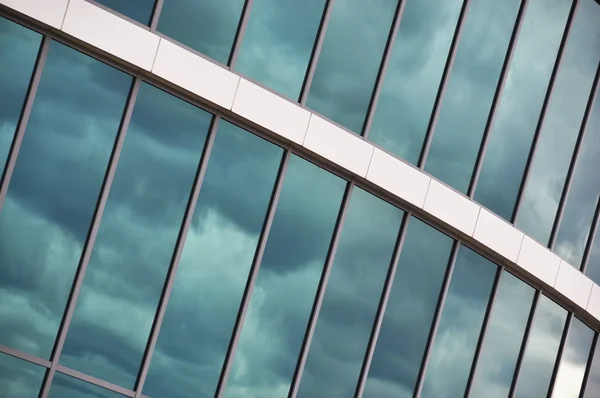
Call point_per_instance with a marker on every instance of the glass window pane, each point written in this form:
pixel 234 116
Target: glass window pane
pixel 503 338
pixel 287 281
pixel 462 317
pixel 520 104
pixel 350 59
pixel 470 91
pixel 64 386
pixel 542 347
pixel 18 378
pixel 582 199
pixel 592 388
pixel 53 193
pixel 562 123
pixel 279 39
pixel 353 294
pixel 208 26
pixel 18 51
pixel 138 10
pixel 409 312
pixel 214 265
pixel 413 75
pixel 573 361
pixel 136 238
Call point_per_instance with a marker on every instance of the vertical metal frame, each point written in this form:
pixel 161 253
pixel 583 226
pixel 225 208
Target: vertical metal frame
pixel 545 104
pixel 484 327
pixel 525 342
pixel 34 83
pixel 179 245
pixel 158 4
pixel 588 366
pixel 320 294
pixel 385 296
pixel 443 83
pixel 316 52
pixel 91 238
pixel 240 33
pixel 251 281
pixel 387 55
pixel 418 388
pixel 559 354
pixel 573 165
pixel 497 96
pixel 589 244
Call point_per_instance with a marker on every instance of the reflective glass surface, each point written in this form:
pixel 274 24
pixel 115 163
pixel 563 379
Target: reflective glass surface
pixel 18 51
pixel 208 26
pixel 520 104
pixel 592 388
pixel 409 312
pixel 462 317
pixel 138 10
pixel 582 200
pixel 503 338
pixel 350 58
pixel 470 90
pixel 64 386
pixel 573 361
pixel 351 298
pixel 413 75
pixel 214 265
pixel 53 192
pixel 279 39
pixel 562 123
pixel 542 347
pixel 287 281
pixel 18 378
pixel 136 238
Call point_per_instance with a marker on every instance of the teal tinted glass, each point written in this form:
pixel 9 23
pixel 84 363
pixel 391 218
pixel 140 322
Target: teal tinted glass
pixel 53 193
pixel 351 298
pixel 64 386
pixel 214 265
pixel 287 281
pixel 138 10
pixel 18 378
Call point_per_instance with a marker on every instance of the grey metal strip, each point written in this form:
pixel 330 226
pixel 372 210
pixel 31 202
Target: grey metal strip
pixel 158 5
pixel 588 367
pixel 93 380
pixel 24 356
pixel 240 33
pixel 561 349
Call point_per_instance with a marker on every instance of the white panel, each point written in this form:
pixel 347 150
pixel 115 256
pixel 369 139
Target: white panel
pixel 593 306
pixel 451 207
pixel 271 111
pixel 339 146
pixel 538 261
pixel 398 178
pixel 50 12
pixel 195 74
pixel 498 235
pixel 573 284
pixel 110 33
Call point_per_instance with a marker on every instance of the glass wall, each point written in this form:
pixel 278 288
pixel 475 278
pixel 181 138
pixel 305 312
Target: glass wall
pixel 324 262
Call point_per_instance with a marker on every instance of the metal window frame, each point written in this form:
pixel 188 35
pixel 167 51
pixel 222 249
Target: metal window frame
pixel 588 367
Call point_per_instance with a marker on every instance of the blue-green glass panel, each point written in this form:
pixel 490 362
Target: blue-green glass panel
pixel 214 265
pixel 278 42
pixel 138 10
pixel 53 193
pixel 64 386
pixel 18 378
pixel 276 320
pixel 470 90
pixel 349 61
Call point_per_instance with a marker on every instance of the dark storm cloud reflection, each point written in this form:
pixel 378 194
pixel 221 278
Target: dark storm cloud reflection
pixel 214 266
pixel 470 90
pixel 409 312
pixel 349 60
pixel 18 52
pixel 19 379
pixel 208 26
pixel 287 281
pixel 352 296
pixel 53 193
pixel 413 75
pixel 64 386
pixel 278 43
pixel 136 238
